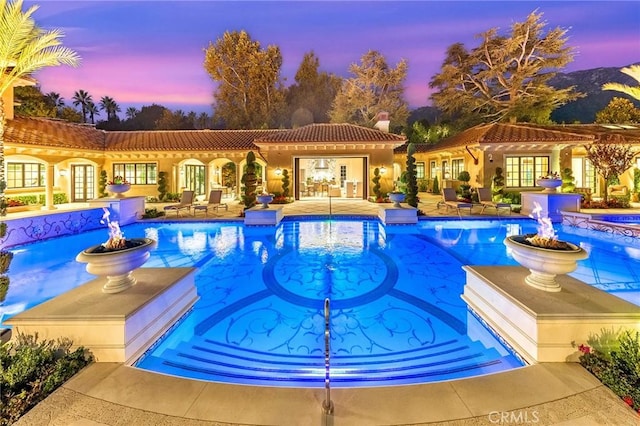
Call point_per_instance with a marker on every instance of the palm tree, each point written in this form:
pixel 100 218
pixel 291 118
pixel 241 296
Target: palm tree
pixel 110 106
pixel 83 99
pixel 632 71
pixel 54 100
pixel 92 109
pixel 131 113
pixel 24 49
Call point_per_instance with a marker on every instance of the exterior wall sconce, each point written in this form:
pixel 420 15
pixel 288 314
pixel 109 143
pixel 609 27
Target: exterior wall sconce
pixel 62 172
pixel 491 158
pixel 278 171
pixel 447 175
pixel 383 170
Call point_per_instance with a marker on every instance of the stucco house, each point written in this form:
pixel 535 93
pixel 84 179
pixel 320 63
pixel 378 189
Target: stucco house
pixel 523 151
pixel 45 156
pixel 49 156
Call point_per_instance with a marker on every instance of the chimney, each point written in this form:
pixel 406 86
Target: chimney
pixel 383 121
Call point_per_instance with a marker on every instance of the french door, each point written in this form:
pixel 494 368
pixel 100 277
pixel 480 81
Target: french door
pixel 83 176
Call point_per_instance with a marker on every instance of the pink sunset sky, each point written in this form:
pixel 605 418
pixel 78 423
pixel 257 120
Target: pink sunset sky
pixel 145 52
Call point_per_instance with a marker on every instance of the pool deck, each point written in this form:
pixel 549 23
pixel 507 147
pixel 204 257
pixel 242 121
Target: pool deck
pixel 544 394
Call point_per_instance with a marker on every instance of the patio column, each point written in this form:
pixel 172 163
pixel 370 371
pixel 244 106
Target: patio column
pixel 49 181
pixel 554 160
pixel 238 179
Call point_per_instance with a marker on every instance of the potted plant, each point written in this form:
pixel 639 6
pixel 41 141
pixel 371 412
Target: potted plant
pixel 265 199
pixel 118 186
pixel 550 182
pixel 397 197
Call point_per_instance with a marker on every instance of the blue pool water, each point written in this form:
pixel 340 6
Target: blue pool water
pixel 397 316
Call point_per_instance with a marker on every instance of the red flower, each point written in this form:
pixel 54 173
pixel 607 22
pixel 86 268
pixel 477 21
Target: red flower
pixel 118 180
pixel 628 400
pixel 584 349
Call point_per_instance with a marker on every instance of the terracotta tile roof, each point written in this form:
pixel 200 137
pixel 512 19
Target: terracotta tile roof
pixel 184 140
pixel 501 133
pixel 629 133
pixel 331 133
pixel 52 133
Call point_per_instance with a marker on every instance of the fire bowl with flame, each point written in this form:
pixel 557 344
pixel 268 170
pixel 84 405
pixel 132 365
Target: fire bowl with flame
pixel 544 254
pixel 117 264
pixel 545 258
pixel 117 258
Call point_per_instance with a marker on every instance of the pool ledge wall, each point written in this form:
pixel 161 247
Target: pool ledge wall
pixel 404 215
pixel 116 327
pixel 599 222
pixel 544 326
pixel 261 216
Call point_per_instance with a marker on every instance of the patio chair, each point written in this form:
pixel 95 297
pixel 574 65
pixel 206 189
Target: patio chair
pixel 186 201
pixel 450 201
pixel 484 196
pixel 214 203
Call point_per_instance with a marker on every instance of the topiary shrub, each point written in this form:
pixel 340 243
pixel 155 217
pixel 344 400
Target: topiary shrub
pixel 102 184
pixel 163 190
pixel 376 186
pixel 465 188
pixel 568 184
pixel 436 187
pixel 412 181
pixel 250 181
pixel 497 185
pixel 285 183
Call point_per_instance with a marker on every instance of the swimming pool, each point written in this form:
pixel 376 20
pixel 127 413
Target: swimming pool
pixel 397 316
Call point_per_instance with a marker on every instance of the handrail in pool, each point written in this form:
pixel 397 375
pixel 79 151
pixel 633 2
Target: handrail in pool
pixel 327 404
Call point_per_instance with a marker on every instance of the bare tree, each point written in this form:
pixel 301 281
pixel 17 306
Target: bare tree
pixel 610 158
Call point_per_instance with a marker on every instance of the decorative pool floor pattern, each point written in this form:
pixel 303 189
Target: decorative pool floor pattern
pixel 396 313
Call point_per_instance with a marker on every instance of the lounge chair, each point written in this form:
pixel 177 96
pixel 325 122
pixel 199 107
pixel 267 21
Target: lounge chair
pixel 484 196
pixel 186 201
pixel 214 203
pixel 450 201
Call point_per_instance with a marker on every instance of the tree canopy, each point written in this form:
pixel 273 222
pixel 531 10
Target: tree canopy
pixel 312 95
pixel 249 94
pixel 619 111
pixel 374 87
pixel 505 78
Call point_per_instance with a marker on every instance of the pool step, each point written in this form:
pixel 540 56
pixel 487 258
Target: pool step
pixel 208 360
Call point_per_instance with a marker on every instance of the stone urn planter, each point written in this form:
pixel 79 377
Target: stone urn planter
pixel 549 185
pixel 544 263
pixel 397 198
pixel 118 189
pixel 117 264
pixel 265 199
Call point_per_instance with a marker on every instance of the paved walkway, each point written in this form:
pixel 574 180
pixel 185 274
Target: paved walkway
pixel 543 394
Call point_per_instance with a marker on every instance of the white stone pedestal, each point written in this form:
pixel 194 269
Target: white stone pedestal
pixel 114 327
pixel 390 215
pixel 542 326
pixel 124 210
pixel 552 204
pixel 259 216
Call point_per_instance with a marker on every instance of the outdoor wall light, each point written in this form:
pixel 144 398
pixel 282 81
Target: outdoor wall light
pixel 383 170
pixel 62 172
pixel 278 171
pixel 491 158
